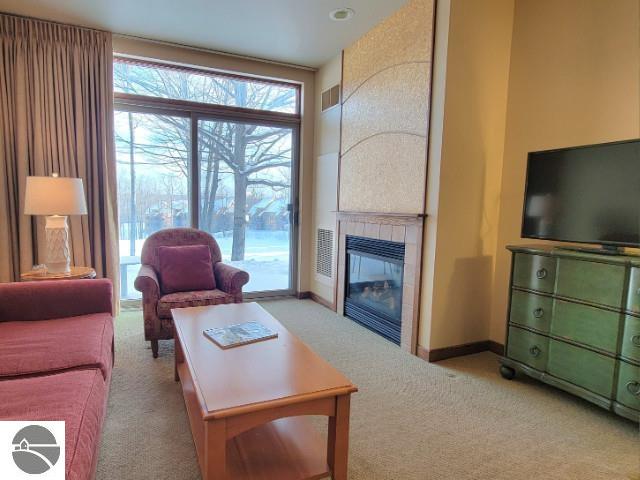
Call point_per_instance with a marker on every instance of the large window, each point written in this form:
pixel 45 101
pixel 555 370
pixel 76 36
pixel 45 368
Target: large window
pixel 163 81
pixel 214 152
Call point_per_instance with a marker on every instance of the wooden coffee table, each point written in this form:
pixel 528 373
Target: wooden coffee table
pixel 247 404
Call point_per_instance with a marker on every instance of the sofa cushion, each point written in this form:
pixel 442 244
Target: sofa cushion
pixel 191 299
pixel 77 397
pixel 44 346
pixel 185 268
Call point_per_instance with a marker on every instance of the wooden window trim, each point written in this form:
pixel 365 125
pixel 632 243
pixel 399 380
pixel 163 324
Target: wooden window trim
pixel 142 103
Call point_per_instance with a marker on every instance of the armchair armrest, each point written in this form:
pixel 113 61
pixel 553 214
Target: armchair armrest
pixel 147 282
pixel 44 300
pixel 230 279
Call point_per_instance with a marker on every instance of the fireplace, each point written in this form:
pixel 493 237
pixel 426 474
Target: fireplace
pixel 373 285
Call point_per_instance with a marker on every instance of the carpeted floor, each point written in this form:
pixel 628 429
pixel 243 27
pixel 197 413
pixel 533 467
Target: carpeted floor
pixel 411 420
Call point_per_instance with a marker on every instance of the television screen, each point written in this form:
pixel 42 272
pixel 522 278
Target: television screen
pixel 584 194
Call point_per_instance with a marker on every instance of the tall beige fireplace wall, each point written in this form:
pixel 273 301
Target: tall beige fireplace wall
pixel 386 79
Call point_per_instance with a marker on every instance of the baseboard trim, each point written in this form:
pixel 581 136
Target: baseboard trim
pixel 496 347
pixel 303 295
pixel 438 354
pixel 322 301
pixel 422 353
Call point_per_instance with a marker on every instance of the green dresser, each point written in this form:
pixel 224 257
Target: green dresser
pixel 574 323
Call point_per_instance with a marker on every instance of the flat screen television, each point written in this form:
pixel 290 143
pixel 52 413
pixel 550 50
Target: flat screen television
pixel 587 194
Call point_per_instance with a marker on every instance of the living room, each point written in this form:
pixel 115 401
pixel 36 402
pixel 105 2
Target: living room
pixel 425 211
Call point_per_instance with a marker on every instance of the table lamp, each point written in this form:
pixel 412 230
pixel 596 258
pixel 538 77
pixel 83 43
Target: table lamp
pixel 56 197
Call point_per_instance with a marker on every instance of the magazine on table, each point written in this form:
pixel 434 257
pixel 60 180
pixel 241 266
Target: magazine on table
pixel 239 334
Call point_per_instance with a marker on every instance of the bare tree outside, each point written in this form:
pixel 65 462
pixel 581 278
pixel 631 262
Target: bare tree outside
pixel 245 169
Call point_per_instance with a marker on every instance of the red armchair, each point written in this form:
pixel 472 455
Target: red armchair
pixel 156 305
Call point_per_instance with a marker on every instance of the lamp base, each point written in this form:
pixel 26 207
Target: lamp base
pixel 58 256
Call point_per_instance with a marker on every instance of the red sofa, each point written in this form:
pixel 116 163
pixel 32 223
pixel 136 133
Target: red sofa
pixel 56 358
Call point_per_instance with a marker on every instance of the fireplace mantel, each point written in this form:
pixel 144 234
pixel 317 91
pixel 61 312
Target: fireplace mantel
pixel 381 218
pixel 395 227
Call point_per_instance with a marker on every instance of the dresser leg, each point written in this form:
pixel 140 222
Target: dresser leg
pixel 507 372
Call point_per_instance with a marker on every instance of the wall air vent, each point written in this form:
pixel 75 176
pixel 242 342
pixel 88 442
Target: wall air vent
pixel 330 97
pixel 324 252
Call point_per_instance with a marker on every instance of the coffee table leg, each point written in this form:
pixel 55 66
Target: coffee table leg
pixel 215 450
pixel 178 357
pixel 338 439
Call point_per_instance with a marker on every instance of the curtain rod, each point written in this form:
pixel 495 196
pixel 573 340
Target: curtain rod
pixel 216 52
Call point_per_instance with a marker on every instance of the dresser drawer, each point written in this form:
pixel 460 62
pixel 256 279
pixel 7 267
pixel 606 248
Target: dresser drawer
pixel 531 310
pixel 582 367
pixel 628 385
pixel 633 298
pixel 594 282
pixel 587 325
pixel 534 272
pixel 630 347
pixel 528 348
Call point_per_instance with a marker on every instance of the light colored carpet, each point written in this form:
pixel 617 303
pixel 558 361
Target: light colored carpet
pixel 457 419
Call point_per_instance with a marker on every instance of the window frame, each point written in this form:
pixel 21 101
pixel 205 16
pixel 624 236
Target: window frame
pixel 196 111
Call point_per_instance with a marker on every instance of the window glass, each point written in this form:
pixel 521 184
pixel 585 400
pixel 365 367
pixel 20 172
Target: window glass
pixel 245 198
pixel 152 155
pixel 202 87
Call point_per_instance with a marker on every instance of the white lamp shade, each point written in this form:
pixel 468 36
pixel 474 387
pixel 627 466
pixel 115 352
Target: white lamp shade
pixel 54 196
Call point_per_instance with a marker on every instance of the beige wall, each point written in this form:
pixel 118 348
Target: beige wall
pixel 574 80
pixel 472 52
pixel 305 77
pixel 325 173
pixel 385 112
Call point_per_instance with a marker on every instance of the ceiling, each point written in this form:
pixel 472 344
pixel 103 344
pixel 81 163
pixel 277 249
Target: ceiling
pixel 292 31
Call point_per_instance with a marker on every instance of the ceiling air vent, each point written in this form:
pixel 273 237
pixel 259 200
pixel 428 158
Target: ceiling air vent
pixel 330 97
pixel 324 252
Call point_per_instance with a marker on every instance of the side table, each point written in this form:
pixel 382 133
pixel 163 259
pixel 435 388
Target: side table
pixel 74 274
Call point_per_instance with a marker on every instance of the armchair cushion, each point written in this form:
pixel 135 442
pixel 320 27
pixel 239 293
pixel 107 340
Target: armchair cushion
pixel 191 299
pixel 185 268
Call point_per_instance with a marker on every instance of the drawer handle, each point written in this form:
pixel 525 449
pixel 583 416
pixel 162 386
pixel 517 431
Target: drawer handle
pixel 538 312
pixel 535 351
pixel 542 273
pixel 636 340
pixel 634 388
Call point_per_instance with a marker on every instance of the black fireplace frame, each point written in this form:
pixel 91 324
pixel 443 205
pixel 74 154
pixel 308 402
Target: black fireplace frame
pixel 376 321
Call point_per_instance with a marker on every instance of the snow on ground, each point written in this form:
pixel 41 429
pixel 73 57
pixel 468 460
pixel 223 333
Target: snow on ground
pixel 266 260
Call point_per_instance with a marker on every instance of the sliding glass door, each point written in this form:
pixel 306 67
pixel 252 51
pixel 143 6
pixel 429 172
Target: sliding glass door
pixel 246 198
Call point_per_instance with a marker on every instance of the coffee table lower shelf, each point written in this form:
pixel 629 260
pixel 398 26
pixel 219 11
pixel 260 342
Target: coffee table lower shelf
pixel 285 449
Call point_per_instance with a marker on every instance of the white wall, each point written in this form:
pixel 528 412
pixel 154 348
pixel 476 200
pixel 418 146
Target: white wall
pixel 325 172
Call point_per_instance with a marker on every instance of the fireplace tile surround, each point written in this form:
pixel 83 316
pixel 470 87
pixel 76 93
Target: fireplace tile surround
pixel 402 228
